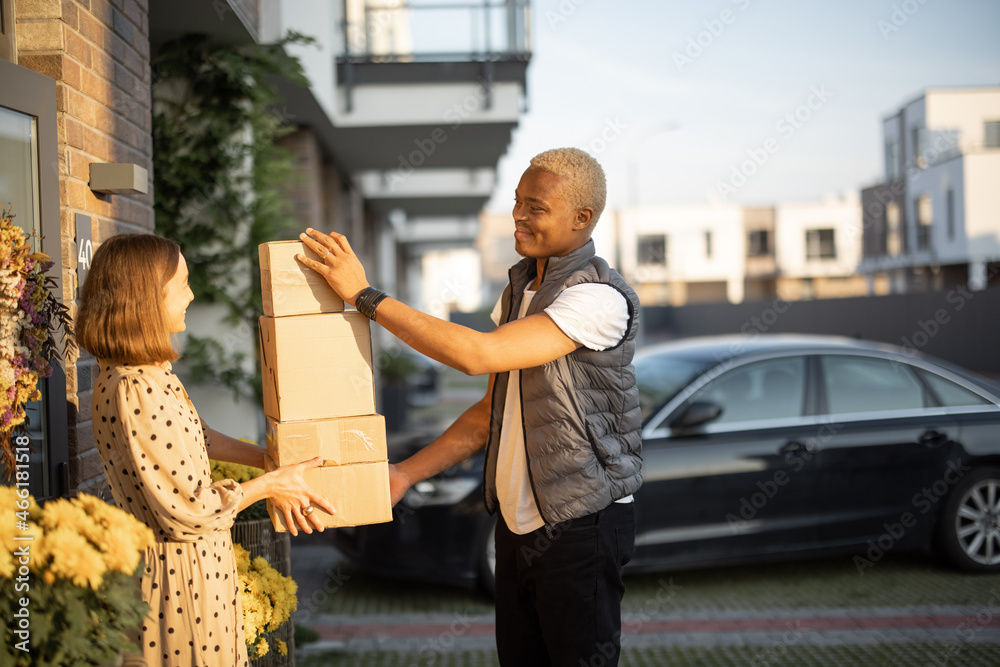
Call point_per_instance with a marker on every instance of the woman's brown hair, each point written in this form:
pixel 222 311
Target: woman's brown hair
pixel 121 317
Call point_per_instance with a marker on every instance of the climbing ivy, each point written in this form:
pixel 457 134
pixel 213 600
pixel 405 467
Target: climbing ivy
pixel 217 182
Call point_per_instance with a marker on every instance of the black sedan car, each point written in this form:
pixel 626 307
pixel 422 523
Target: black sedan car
pixel 755 448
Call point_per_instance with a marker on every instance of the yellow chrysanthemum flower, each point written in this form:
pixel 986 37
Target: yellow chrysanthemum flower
pixel 124 539
pixel 242 558
pixel 77 539
pixel 240 473
pixel 63 512
pixel 16 520
pixel 72 557
pixel 267 596
pixel 121 555
pixel 11 499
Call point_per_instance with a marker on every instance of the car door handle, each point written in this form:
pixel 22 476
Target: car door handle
pixel 932 438
pixel 796 447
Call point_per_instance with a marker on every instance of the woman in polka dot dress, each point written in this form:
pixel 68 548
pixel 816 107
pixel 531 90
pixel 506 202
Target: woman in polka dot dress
pixel 156 451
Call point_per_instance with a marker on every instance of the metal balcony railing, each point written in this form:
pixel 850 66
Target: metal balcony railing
pixel 434 31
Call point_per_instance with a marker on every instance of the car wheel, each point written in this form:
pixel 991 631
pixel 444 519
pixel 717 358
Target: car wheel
pixel 488 556
pixel 969 528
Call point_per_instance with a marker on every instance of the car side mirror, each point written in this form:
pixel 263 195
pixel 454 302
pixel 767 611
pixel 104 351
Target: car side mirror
pixel 696 414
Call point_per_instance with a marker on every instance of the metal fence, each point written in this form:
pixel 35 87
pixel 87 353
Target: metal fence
pixel 958 325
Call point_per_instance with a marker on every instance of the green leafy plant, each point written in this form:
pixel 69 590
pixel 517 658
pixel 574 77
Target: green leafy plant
pixel 217 177
pixel 75 563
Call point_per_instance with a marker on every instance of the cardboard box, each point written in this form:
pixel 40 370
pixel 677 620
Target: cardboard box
pixel 340 441
pixel 317 366
pixel 359 492
pixel 288 287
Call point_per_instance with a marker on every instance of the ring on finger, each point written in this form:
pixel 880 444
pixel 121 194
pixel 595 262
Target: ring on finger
pixel 307 510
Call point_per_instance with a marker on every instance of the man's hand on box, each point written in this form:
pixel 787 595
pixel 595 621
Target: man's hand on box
pixel 338 263
pixel 295 499
pixel 398 484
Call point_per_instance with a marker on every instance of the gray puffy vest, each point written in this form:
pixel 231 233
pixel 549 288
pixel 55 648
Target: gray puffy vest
pixel 580 413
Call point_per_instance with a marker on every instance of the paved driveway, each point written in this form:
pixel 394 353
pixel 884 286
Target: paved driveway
pixel 903 611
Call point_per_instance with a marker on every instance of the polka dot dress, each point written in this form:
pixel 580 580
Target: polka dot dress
pixel 152 445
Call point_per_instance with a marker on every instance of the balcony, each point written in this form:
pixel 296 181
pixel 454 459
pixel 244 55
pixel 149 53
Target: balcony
pixel 226 21
pixel 415 101
pixel 427 95
pixel 399 41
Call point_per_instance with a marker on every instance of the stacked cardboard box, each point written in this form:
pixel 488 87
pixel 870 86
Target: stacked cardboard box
pixel 319 390
pixel 288 288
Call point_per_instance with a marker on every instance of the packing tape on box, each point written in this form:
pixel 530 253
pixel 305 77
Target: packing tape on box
pixel 364 438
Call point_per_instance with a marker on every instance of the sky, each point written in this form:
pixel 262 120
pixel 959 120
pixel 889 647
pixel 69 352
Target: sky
pixel 752 102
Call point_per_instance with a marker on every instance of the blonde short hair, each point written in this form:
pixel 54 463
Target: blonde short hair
pixel 585 185
pixel 121 318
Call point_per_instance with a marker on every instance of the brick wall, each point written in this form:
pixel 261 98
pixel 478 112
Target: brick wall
pixel 316 190
pixel 304 191
pixel 98 53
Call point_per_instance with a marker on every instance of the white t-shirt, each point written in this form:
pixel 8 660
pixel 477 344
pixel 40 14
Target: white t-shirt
pixel 592 314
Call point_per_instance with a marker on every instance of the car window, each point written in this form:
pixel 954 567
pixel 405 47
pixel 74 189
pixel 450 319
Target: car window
pixel 949 393
pixel 866 384
pixel 661 377
pixel 772 389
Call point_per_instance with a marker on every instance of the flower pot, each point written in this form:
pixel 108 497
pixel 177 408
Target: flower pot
pixel 259 538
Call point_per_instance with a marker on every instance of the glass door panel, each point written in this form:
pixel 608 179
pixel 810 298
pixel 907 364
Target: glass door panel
pixel 19 193
pixel 19 170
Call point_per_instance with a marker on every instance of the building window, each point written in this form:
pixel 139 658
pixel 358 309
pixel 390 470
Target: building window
pixel 918 136
pixel 943 144
pixel 652 250
pixel 924 220
pixel 873 231
pixel 894 240
pixel 708 245
pixel 950 212
pixel 759 243
pixel 820 244
pixel 891 160
pixel 991 138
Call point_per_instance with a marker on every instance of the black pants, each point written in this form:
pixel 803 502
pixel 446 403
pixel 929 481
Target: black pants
pixel 559 591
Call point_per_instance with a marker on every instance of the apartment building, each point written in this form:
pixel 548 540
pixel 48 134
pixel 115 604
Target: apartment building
pixel 817 248
pixel 673 255
pixel 682 254
pixel 395 141
pixel 934 220
pixel 409 108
